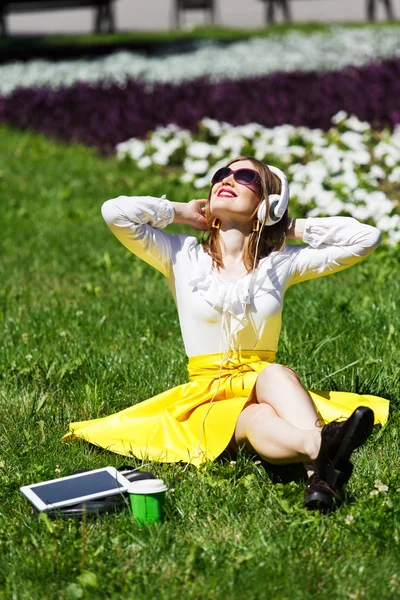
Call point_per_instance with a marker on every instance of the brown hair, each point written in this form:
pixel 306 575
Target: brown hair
pixel 272 237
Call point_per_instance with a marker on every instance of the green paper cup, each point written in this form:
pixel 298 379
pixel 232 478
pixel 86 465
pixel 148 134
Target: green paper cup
pixel 147 500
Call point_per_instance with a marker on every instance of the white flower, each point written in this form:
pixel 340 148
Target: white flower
pixel 216 152
pixel 166 147
pixel 384 149
pixel 214 127
pixel 361 194
pixel 339 117
pixel 333 180
pixel 187 177
pixel 361 157
pixel 317 171
pixel 335 207
pixel 144 162
pixel 297 151
pixel 29 357
pixel 352 140
pixel 63 333
pixel 381 205
pixel 394 237
pixel 360 212
pixel 390 161
pixel 195 167
pixel 350 179
pixel 198 150
pixel 202 183
pixel 232 142
pixel 160 158
pixel 394 176
pixel 389 223
pixel 134 148
pixel 350 520
pixel 355 124
pixel 381 487
pixel 377 172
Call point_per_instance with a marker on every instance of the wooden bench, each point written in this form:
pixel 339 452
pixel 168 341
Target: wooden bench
pixel 180 6
pixel 271 7
pixel 104 18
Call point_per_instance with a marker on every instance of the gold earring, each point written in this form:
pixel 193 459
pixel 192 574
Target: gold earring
pixel 216 224
pixel 256 225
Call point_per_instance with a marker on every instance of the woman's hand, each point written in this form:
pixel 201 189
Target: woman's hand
pixel 191 213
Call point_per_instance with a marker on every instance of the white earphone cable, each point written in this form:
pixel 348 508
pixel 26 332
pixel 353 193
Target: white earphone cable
pixel 230 336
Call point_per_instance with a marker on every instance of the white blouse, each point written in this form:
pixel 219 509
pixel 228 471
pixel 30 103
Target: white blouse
pixel 244 314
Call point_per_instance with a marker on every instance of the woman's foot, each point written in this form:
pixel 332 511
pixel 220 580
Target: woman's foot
pixel 319 495
pixel 332 465
pixel 338 442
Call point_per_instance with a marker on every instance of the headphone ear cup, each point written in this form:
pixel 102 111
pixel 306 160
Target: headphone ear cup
pixel 272 218
pixel 262 211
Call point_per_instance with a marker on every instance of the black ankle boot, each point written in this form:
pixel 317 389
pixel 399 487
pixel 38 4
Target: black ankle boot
pixel 338 442
pixel 319 495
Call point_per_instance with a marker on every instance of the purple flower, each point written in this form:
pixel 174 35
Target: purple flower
pixel 105 115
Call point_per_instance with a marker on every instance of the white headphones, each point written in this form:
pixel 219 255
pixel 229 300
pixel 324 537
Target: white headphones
pixel 277 203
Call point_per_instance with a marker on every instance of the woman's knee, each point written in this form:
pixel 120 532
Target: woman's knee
pixel 276 374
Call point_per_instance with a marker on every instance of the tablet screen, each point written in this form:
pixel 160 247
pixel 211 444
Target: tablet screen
pixel 76 487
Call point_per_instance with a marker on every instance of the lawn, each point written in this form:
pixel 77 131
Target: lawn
pixel 151 42
pixel 87 329
pixel 148 42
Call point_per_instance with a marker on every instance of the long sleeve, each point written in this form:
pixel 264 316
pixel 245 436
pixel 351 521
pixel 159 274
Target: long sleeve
pixel 137 222
pixel 334 243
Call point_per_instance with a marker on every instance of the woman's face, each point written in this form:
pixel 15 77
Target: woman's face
pixel 234 202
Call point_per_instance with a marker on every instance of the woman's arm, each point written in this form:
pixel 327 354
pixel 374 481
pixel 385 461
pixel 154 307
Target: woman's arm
pixel 137 222
pixel 334 243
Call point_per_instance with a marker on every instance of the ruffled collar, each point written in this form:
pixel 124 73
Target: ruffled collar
pixel 230 297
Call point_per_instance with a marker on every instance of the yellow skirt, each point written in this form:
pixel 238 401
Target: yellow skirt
pixel 194 422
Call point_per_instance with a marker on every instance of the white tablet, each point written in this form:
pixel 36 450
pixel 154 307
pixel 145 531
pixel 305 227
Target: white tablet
pixel 76 489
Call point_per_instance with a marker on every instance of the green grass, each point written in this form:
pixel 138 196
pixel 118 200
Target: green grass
pixel 103 334
pixel 155 38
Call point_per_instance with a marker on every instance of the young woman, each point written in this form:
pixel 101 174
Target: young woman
pixel 229 292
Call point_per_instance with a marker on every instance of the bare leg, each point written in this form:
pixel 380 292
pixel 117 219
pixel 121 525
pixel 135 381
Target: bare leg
pixel 273 438
pixel 281 388
pixel 281 424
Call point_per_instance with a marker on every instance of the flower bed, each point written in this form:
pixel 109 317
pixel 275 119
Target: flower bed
pixel 299 79
pixel 104 115
pixel 347 170
pixel 287 88
pixel 320 52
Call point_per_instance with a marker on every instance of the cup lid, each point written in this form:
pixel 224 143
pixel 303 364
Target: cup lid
pixel 147 486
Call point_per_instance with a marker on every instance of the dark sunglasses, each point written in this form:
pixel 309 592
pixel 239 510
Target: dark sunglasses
pixel 247 177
